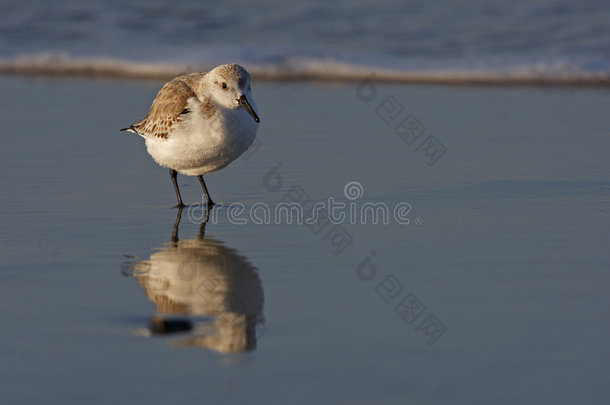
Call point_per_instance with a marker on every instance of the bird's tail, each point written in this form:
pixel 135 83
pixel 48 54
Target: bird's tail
pixel 130 128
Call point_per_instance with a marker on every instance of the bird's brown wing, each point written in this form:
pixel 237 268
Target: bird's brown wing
pixel 168 108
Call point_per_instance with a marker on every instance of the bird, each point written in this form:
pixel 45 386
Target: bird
pixel 198 123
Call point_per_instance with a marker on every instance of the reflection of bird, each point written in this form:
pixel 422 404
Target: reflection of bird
pixel 203 277
pixel 199 123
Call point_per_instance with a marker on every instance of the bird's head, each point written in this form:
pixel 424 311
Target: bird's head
pixel 229 86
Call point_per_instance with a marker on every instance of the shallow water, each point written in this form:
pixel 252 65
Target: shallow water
pixel 496 289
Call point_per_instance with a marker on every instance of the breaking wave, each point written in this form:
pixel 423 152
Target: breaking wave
pixel 313 69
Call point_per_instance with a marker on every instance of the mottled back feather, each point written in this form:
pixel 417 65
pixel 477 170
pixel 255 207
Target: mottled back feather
pixel 168 107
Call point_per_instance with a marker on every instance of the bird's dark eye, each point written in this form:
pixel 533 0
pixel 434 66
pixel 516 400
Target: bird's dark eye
pixel 224 85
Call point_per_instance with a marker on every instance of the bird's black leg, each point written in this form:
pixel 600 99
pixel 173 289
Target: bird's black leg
pixel 173 174
pixel 205 190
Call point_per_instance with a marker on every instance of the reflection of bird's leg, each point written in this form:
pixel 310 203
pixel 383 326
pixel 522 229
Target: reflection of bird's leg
pixel 176 224
pixel 175 238
pixel 205 190
pixel 208 208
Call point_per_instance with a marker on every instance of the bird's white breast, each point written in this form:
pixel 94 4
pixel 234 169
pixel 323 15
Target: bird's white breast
pixel 199 145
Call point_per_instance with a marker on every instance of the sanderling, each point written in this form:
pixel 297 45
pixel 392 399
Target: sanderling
pixel 199 123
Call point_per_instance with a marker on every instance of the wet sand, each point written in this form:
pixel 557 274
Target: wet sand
pixel 496 290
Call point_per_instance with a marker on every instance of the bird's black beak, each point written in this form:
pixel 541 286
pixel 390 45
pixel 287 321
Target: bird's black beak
pixel 243 102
